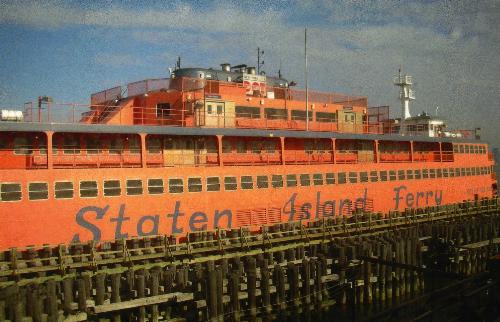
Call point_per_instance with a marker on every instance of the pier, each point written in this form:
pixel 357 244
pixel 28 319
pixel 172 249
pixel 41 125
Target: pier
pixel 386 260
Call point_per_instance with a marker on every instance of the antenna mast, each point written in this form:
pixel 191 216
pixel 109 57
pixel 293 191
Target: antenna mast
pixel 305 72
pixel 260 63
pixel 406 94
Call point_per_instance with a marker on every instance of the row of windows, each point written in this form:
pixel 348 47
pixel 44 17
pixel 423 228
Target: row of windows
pixel 113 188
pixel 282 114
pixel 469 149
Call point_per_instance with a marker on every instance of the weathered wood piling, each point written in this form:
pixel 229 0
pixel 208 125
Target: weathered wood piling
pixel 235 275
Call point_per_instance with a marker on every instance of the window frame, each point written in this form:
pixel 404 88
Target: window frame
pixel 247 185
pixel 112 188
pixel 317 179
pixel 330 178
pixel 273 176
pixel 127 187
pixel 207 184
pixel 294 177
pixel 11 183
pixel 305 179
pixel 235 183
pixel 200 185
pixel 80 189
pixel 170 185
pixel 149 185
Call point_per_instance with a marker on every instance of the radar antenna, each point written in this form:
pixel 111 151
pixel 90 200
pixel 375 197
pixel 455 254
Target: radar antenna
pixel 406 94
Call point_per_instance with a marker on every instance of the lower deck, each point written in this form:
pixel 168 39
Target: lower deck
pixel 63 205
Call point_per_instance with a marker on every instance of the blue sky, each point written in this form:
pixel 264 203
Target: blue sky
pixel 70 49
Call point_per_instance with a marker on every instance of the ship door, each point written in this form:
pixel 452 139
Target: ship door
pixel 199 112
pixel 215 114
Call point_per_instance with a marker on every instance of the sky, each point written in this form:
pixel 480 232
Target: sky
pixel 70 49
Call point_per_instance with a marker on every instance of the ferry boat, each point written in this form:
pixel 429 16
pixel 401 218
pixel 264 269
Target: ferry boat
pixel 222 148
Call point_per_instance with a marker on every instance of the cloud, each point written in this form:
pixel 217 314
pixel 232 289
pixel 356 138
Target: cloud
pixel 117 60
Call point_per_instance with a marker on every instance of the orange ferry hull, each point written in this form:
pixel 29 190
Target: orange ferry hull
pixel 102 218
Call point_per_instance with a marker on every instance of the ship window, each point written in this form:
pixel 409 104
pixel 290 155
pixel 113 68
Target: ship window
pixel 134 145
pixel 305 180
pixel 262 182
pixel 457 172
pixel 326 117
pixel 270 147
pixel 277 181
pixel 291 180
pixel 467 148
pixel 247 112
pixel 418 174
pixel 88 189
pixel 409 174
pixel 401 174
pixel 63 190
pixel 116 146
pixel 451 171
pixel 219 109
pixel 461 148
pixel 71 145
pixel 467 171
pixel 153 145
pixel 353 177
pixel 330 178
pixel 317 179
pixel 134 187
pixel 455 148
pixel 175 186
pixel 213 184
pixel 275 113
pixel 162 110
pixel 342 177
pixel 241 147
pixel 10 192
pixel 363 177
pixel 226 147
pixel 92 145
pixel 445 173
pixel 209 108
pixel 246 182
pixel 439 173
pixel 155 186
pixel 432 173
pixel 255 146
pixel 301 115
pixel 392 175
pixel 38 191
pixel 21 146
pixel 112 188
pixel 194 184
pixel 373 176
pixel 425 173
pixel 383 175
pixel 230 183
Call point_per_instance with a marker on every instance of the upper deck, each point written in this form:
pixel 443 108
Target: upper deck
pixel 207 98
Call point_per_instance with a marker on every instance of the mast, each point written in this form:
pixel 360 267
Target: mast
pixel 307 90
pixel 406 94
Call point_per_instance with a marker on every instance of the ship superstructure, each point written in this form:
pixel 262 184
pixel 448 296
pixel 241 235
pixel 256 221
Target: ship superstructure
pixel 220 148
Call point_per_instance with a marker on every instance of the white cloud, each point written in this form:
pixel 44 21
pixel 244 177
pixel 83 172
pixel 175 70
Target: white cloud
pixel 117 60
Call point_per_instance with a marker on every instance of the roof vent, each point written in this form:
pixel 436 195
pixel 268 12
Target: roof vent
pixel 226 67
